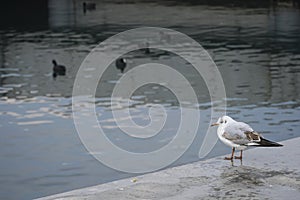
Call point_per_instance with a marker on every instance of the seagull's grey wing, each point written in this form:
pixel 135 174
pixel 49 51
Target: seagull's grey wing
pixel 240 133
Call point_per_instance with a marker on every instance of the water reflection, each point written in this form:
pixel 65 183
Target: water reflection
pixel 256 50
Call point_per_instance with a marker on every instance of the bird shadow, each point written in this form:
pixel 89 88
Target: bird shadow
pixel 251 176
pixel 248 182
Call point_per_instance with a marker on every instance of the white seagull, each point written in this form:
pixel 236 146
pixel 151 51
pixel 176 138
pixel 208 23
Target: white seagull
pixel 240 135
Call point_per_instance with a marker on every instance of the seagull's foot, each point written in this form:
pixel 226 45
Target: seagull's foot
pixel 238 157
pixel 228 158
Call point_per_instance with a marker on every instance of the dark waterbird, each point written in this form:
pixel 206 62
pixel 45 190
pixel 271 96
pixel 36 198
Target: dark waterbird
pixel 147 50
pixel 121 64
pixel 88 6
pixel 58 70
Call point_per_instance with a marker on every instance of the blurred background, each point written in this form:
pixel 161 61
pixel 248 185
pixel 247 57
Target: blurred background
pixel 255 44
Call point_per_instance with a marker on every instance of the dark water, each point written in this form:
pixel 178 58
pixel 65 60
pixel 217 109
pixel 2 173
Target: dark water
pixel 256 49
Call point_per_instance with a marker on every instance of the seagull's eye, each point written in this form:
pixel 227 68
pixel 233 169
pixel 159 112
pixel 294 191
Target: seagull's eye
pixel 221 122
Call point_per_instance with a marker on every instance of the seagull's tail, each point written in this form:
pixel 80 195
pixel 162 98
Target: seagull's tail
pixel 267 143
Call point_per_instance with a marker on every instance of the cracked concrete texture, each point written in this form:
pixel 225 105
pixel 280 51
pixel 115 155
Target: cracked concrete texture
pixel 266 173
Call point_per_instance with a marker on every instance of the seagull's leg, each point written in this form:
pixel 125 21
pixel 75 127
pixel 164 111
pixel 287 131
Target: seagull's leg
pixel 230 158
pixel 239 157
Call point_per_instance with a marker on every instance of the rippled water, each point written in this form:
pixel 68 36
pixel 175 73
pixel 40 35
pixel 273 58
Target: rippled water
pixel 256 49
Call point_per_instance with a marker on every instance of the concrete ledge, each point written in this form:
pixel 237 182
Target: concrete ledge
pixel 266 173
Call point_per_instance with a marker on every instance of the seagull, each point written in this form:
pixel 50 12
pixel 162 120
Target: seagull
pixel 240 135
pixel 121 64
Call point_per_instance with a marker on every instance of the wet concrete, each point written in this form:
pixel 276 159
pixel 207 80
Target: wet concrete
pixel 266 173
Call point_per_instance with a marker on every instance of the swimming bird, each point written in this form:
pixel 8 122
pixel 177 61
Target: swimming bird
pixel 58 69
pixel 240 135
pixel 147 50
pixel 88 6
pixel 121 64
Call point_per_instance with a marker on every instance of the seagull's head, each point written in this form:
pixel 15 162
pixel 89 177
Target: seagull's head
pixel 222 121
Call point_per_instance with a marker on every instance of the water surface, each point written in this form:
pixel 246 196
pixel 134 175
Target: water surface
pixel 256 50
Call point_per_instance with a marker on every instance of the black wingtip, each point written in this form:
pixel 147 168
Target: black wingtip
pixel 268 143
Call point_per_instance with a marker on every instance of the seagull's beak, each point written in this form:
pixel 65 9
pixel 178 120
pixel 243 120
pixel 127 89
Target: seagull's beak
pixel 215 124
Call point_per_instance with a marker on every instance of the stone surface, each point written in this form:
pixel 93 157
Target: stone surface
pixel 266 173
